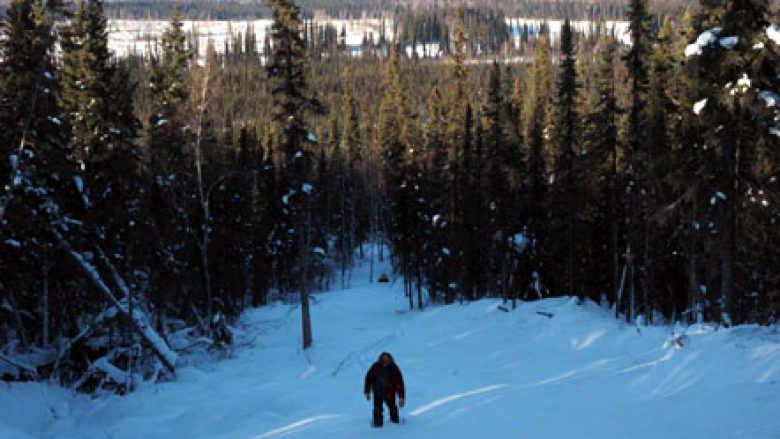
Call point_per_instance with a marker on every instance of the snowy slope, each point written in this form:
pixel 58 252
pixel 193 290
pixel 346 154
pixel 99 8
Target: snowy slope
pixel 472 371
pixel 142 36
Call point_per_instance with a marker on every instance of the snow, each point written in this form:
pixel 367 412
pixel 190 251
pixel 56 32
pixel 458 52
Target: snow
pixel 286 197
pixel 773 32
pixel 744 82
pixel 13 243
pixel 520 241
pixel 143 36
pixel 79 182
pixel 427 50
pixel 718 196
pixel 117 375
pixel 471 371
pixel 728 42
pixel 770 98
pixel 307 188
pixel 699 106
pixel 151 336
pixel 554 27
pixel 703 40
pixel 139 318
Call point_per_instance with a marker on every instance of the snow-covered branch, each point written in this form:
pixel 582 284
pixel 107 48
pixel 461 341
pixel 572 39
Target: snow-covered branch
pixel 138 317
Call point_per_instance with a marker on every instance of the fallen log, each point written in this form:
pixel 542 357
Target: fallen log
pixel 138 318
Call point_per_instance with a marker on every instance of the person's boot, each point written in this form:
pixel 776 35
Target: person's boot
pixel 378 420
pixel 394 418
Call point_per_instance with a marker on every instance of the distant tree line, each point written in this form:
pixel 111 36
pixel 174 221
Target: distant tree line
pixel 233 9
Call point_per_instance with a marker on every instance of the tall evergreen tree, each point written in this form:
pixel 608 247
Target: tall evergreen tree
pixel 636 172
pixel 564 196
pixel 393 126
pixel 39 190
pixel 171 194
pixel 603 154
pixel 351 147
pixel 536 131
pixel 737 66
pixel 688 190
pixel 457 138
pixel 291 102
pixel 434 170
pixel 97 100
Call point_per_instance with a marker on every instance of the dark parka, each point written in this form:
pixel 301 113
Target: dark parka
pixel 395 381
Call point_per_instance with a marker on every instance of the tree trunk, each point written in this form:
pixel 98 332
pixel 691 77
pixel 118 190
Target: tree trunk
pixel 46 311
pixel 696 303
pixel 204 244
pixel 728 226
pixel 570 240
pixel 647 278
pixel 136 318
pixel 303 248
pixel 631 314
pixel 419 288
pixel 614 232
pixel 19 322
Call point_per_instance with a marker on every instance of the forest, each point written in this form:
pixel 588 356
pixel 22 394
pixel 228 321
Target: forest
pixel 146 202
pixel 610 9
pixel 236 9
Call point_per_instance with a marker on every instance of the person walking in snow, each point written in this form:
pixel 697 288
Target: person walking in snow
pixel 385 381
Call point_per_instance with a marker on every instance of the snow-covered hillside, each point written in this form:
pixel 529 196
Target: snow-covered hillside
pixel 141 36
pixel 587 27
pixel 472 371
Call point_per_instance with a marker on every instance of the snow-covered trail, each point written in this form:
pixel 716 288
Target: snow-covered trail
pixel 471 371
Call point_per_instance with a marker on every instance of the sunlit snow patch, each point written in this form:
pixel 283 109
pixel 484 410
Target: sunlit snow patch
pixel 447 399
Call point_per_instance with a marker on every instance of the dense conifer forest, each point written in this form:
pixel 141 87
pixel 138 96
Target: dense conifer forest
pixel 235 9
pixel 147 201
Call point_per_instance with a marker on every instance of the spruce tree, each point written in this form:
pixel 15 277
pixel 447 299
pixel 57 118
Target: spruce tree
pixel 688 190
pixel 351 147
pixel 171 201
pixel 636 168
pixel 455 139
pixel 434 169
pixel 40 192
pixel 97 100
pixel 564 197
pixel 603 154
pixel 392 125
pixel 291 102
pixel 500 155
pixel 536 113
pixel 735 61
